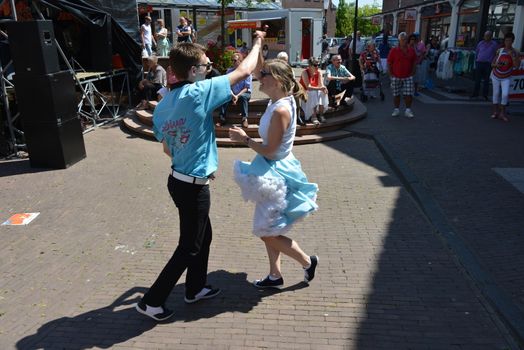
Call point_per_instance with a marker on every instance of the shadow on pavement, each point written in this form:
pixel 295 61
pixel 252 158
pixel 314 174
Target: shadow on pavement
pixel 18 167
pixel 119 321
pixel 417 297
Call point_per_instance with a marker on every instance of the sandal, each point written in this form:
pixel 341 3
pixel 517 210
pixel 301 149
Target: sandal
pixel 494 116
pixel 504 118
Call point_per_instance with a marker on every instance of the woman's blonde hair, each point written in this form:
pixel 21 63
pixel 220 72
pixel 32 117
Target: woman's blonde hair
pixel 283 73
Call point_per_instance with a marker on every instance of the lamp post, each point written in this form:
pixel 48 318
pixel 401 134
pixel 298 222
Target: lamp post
pixel 324 25
pixel 354 59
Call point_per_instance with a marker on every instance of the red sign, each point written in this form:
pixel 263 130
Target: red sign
pixel 516 87
pixel 244 25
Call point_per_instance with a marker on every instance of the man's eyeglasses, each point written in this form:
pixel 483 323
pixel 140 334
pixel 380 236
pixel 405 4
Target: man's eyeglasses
pixel 263 73
pixel 315 65
pixel 207 65
pixel 235 61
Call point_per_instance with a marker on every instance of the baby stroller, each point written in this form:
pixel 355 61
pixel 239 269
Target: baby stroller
pixel 371 86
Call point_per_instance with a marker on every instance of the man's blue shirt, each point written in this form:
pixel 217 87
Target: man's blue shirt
pixel 183 118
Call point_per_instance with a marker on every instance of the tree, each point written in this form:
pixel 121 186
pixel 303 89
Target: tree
pixel 364 19
pixel 343 19
pixel 346 14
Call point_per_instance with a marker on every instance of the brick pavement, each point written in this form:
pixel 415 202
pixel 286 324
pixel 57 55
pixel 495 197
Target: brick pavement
pixel 107 226
pixel 454 147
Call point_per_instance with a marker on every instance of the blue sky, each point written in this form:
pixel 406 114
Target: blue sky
pixel 361 2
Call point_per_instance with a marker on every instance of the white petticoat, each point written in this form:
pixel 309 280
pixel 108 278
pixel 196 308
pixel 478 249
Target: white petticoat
pixel 280 191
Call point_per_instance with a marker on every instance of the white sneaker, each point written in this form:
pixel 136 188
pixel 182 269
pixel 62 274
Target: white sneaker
pixel 159 313
pixel 409 113
pixel 396 112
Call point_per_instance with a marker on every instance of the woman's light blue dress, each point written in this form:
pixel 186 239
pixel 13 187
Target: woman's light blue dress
pixel 162 45
pixel 279 188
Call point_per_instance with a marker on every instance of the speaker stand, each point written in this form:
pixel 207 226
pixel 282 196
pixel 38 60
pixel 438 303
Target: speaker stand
pixel 13 131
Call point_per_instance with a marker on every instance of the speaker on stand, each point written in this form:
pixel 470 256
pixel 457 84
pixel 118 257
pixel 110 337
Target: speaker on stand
pixel 46 97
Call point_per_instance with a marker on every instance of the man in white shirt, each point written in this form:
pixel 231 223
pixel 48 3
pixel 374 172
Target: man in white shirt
pixel 146 36
pixel 359 48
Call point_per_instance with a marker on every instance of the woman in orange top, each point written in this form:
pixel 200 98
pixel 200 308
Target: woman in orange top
pixel 317 93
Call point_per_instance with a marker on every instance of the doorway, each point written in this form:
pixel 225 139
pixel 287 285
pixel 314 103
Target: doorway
pixel 306 38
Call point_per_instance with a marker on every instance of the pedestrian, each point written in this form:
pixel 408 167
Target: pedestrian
pixel 240 94
pixel 343 51
pixel 265 51
pixel 194 35
pixel 154 80
pixel 421 69
pixel 183 31
pixel 324 45
pixel 244 51
pixel 162 42
pixel 383 49
pixel 433 53
pixel 317 93
pixel 401 67
pixel 274 180
pixel 183 122
pixel 505 61
pixel 339 79
pixel 359 46
pixel 485 53
pixel 282 55
pixel 147 37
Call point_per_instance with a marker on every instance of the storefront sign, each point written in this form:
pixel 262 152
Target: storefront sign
pixel 516 88
pixel 460 40
pixel 244 25
pixel 437 10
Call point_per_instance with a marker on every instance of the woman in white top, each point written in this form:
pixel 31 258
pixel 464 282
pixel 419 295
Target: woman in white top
pixel 274 180
pixel 162 43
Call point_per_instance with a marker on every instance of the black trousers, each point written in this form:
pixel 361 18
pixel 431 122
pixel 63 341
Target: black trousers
pixel 149 92
pixel 192 253
pixel 482 72
pixel 333 90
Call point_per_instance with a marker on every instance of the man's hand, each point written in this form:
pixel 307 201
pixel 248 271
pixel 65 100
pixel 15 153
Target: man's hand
pixel 261 34
pixel 234 99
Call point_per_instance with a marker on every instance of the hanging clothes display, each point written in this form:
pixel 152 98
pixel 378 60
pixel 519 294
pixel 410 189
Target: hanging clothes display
pixel 455 62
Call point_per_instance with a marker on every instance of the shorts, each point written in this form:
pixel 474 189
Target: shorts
pixel 404 86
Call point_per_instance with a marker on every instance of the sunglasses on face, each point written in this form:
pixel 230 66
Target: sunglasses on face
pixel 315 65
pixel 264 73
pixel 207 65
pixel 235 61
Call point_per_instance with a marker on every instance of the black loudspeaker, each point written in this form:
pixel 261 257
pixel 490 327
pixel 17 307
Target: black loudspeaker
pixel 101 47
pixel 49 98
pixel 56 146
pixel 33 47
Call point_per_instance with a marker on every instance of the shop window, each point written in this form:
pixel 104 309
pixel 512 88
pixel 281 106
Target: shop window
pixel 501 17
pixel 468 24
pixel 435 21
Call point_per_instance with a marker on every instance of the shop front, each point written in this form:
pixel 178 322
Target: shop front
pixel 435 21
pixel 459 23
pixel 205 15
pixel 298 32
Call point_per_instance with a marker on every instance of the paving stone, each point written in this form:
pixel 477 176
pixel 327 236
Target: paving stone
pixel 107 226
